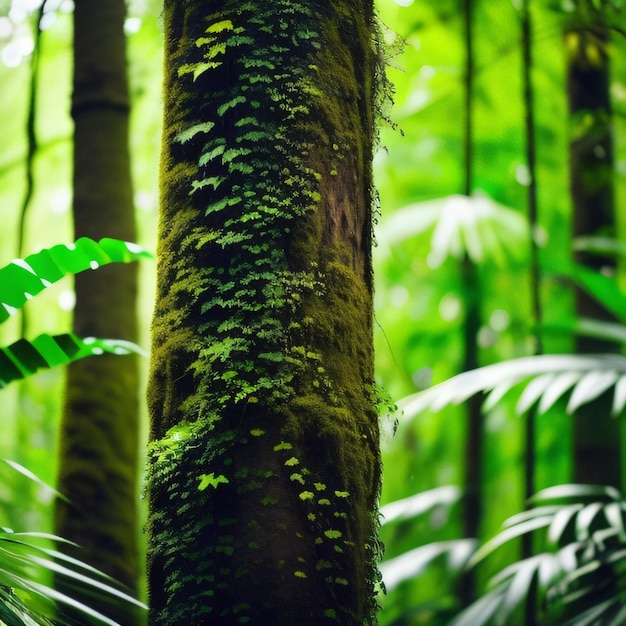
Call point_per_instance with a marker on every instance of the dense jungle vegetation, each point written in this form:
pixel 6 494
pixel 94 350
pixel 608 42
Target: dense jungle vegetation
pixel 498 262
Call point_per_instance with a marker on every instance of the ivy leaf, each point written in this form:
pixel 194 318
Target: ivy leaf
pixel 230 104
pixel 283 445
pixel 218 27
pixel 333 534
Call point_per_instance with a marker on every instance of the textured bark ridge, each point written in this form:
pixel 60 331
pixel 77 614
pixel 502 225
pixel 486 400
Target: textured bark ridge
pixel 264 468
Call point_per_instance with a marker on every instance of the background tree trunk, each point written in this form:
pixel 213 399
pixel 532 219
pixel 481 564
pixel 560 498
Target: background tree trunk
pixel 474 437
pixel 265 468
pixel 596 434
pixel 99 435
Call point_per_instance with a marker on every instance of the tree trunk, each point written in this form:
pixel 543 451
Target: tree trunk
pixel 596 434
pixel 264 467
pixel 474 433
pixel 99 435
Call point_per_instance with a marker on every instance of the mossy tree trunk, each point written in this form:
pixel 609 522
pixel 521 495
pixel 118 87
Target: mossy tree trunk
pixel 596 435
pixel 98 468
pixel 264 463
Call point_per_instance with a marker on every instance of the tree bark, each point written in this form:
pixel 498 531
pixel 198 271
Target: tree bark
pixel 264 468
pixel 99 434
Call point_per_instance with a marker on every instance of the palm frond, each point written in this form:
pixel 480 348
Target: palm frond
pixel 414 562
pixel 420 503
pixel 25 596
pixel 548 377
pixel 411 564
pixel 475 226
pixel 23 358
pixel 22 279
pixel 580 578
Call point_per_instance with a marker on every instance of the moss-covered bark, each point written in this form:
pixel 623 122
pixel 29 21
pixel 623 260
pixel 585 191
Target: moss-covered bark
pixel 264 467
pixel 98 465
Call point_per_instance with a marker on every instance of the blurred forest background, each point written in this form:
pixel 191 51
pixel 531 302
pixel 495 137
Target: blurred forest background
pixel 501 179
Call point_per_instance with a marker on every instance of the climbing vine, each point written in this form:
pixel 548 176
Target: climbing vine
pixel 264 454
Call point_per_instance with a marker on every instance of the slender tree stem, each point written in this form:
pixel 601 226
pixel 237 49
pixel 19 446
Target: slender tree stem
pixel 31 149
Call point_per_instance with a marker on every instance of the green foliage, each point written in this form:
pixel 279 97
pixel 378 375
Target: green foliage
pixel 28 560
pixel 24 358
pixel 549 376
pixel 579 578
pixel 422 313
pixel 472 226
pixel 22 279
pixel 26 598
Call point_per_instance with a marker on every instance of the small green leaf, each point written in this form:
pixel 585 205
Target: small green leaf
pixel 283 445
pixel 295 477
pixel 211 480
pixel 333 534
pixel 206 157
pixel 218 27
pixel 213 181
pixel 230 104
pixel 190 133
